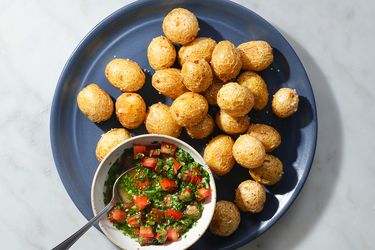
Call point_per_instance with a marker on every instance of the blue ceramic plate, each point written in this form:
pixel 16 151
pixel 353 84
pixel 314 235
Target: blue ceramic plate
pixel 126 34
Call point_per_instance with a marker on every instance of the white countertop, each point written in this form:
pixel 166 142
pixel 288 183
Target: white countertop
pixel 335 41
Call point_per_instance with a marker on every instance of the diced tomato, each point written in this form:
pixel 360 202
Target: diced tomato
pixel 141 201
pixel 168 148
pixel 176 165
pixel 133 221
pixel 174 214
pixel 155 215
pixel 195 176
pixel 186 194
pixel 146 232
pixel 139 149
pixel 203 193
pixel 116 215
pixel 185 175
pixel 155 152
pixel 149 162
pixel 136 230
pixel 143 184
pixel 173 234
pixel 167 184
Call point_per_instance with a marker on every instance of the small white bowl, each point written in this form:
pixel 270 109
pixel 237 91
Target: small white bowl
pixel 115 235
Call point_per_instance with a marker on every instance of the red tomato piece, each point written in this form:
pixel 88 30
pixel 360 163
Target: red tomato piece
pixel 149 162
pixel 139 149
pixel 203 193
pixel 146 232
pixel 168 148
pixel 174 214
pixel 167 184
pixel 176 165
pixel 141 201
pixel 155 152
pixel 136 230
pixel 133 221
pixel 185 175
pixel 156 215
pixel 116 215
pixel 195 176
pixel 144 183
pixel 173 234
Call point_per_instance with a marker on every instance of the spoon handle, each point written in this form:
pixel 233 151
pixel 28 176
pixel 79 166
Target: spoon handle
pixel 66 244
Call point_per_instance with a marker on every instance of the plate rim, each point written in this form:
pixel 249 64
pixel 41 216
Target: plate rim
pixel 128 8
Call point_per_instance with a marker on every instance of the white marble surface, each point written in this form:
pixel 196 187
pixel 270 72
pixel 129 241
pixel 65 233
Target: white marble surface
pixel 335 40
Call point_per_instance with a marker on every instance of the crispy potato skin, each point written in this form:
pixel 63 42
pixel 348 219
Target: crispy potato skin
pixel 218 154
pixel 248 151
pixel 180 26
pixel 235 99
pixel 161 53
pixel 109 141
pixel 255 55
pixel 95 103
pixel 250 197
pixel 196 75
pixel 200 48
pixel 159 120
pixel 285 102
pixel 257 86
pixel 169 82
pixel 270 172
pixel 211 93
pixel 202 129
pixel 189 109
pixel 226 218
pixel 230 124
pixel 226 61
pixel 269 136
pixel 130 110
pixel 125 74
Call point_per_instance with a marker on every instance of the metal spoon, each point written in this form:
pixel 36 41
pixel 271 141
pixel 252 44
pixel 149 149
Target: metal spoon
pixel 66 244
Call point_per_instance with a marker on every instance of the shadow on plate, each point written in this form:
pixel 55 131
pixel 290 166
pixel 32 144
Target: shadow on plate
pixel 304 214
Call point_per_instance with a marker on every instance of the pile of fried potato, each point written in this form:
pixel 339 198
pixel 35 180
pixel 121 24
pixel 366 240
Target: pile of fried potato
pixel 209 73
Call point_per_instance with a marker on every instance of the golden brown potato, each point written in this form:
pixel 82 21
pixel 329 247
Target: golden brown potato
pixel 196 75
pixel 255 55
pixel 270 172
pixel 226 61
pixel 218 154
pixel 200 48
pixel 230 124
pixel 189 109
pixel 169 82
pixel 211 92
pixel 130 110
pixel 202 129
pixel 110 140
pixel 159 120
pixel 248 151
pixel 235 99
pixel 257 86
pixel 95 103
pixel 250 196
pixel 161 53
pixel 269 136
pixel 180 26
pixel 226 218
pixel 285 102
pixel 125 74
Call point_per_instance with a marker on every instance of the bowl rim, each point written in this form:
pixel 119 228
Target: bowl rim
pixel 157 137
